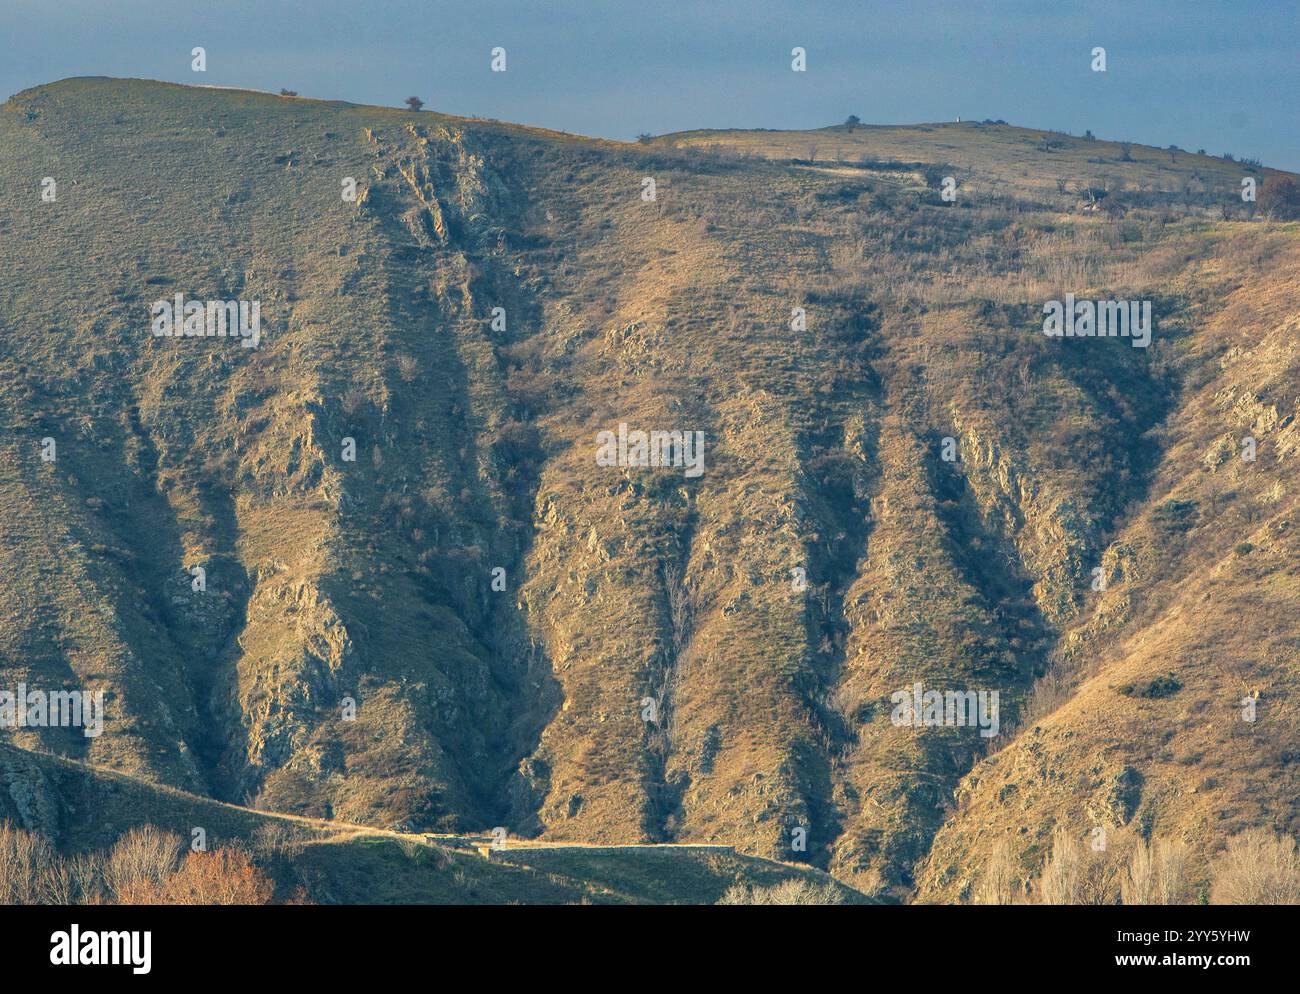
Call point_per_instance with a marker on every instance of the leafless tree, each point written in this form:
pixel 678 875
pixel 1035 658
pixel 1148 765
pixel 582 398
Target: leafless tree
pixel 1000 883
pixel 1258 867
pixel 1157 874
pixel 144 855
pixel 1062 879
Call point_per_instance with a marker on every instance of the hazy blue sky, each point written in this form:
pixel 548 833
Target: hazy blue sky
pixel 1223 76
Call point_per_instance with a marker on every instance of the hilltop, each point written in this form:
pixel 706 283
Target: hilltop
pixel 993 158
pixel 499 606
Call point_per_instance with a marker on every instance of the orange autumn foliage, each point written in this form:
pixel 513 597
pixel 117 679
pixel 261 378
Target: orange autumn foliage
pixel 225 876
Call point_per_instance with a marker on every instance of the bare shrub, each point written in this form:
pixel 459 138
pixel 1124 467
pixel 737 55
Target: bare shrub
pixel 277 838
pixel 680 608
pixel 32 872
pixel 87 870
pixel 1157 874
pixel 679 605
pixel 408 368
pixel 1063 878
pixel 1066 261
pixel 225 876
pixel 411 849
pixel 1280 198
pixel 141 857
pixel 1258 867
pixel 1049 692
pixel 1000 883
pixel 56 883
pixel 792 891
pixel 354 398
pixel 25 859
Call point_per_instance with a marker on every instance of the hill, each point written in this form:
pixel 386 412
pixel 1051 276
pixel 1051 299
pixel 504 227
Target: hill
pixel 84 809
pixel 398 498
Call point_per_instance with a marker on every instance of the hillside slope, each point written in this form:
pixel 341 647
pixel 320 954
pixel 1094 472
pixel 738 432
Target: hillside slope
pixel 85 809
pixel 500 604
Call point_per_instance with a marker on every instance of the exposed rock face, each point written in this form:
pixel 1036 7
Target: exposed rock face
pixel 26 796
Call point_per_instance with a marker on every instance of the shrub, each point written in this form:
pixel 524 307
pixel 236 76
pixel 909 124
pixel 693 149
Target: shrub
pixel 87 873
pixel 793 891
pixel 1280 198
pixel 1062 879
pixel 1000 883
pixel 1165 685
pixel 415 103
pixel 1176 515
pixel 1157 874
pixel 225 876
pixel 408 368
pixel 141 858
pixel 23 859
pixel 1258 867
pixel 276 838
pixel 31 872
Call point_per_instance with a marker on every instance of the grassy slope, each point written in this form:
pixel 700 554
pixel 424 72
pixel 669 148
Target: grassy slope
pixel 85 809
pixel 992 159
pixel 371 578
pixel 1204 588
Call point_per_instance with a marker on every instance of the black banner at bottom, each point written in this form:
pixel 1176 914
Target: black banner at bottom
pixel 141 945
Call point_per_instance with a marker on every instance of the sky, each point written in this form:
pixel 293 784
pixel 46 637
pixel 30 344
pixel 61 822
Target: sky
pixel 1223 76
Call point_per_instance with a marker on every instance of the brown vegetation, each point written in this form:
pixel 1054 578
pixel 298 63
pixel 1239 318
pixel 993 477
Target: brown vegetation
pixel 142 867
